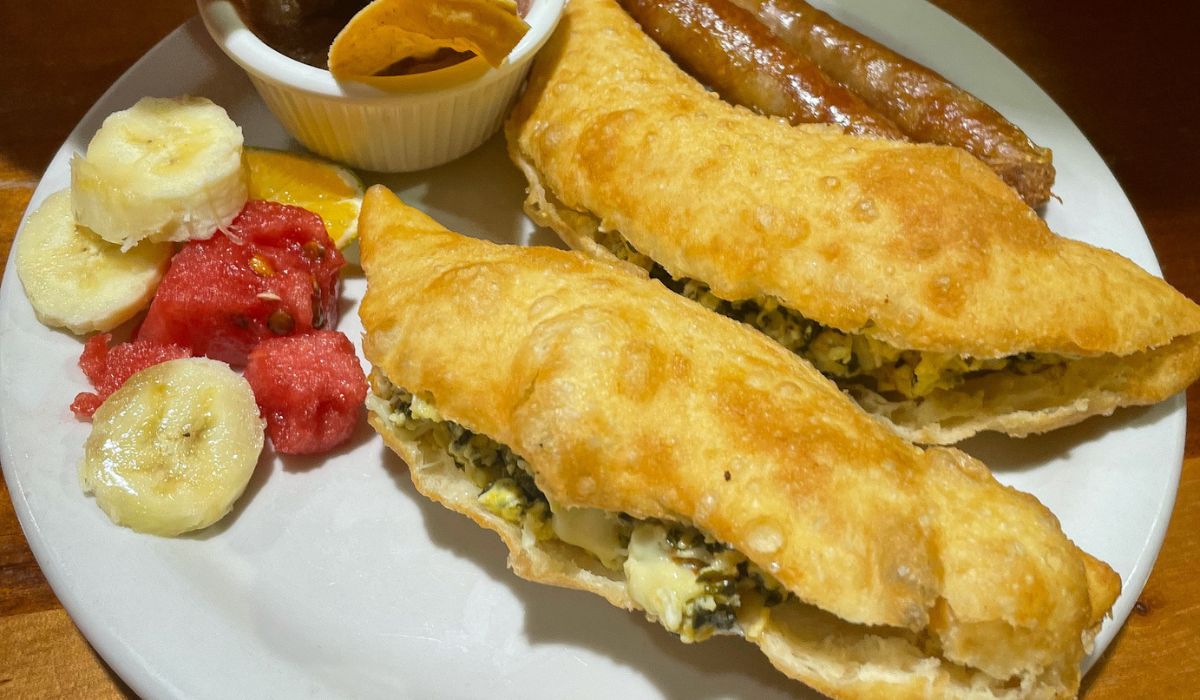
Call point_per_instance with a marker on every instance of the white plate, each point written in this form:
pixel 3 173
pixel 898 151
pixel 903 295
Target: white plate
pixel 334 578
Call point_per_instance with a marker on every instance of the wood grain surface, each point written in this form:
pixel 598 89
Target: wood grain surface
pixel 1127 75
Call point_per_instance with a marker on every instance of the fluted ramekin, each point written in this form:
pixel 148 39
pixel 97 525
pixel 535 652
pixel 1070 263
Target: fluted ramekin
pixel 415 123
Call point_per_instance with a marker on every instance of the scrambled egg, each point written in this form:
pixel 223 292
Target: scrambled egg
pixel 841 356
pixel 689 583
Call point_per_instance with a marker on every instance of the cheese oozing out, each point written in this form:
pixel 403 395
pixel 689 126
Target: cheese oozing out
pixel 658 583
pixel 691 584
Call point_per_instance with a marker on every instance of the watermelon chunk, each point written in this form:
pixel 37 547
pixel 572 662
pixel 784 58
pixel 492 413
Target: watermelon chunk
pixel 108 368
pixel 273 273
pixel 310 389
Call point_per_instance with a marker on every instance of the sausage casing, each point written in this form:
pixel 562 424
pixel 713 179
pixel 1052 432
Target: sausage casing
pixel 725 47
pixel 924 105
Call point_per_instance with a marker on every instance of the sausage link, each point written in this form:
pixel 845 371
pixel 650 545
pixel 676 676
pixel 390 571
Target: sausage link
pixel 927 107
pixel 725 47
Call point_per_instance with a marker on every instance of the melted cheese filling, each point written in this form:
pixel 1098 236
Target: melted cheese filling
pixel 600 532
pixel 843 357
pixel 689 583
pixel 656 581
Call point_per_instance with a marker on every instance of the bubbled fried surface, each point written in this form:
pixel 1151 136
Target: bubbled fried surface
pixel 625 397
pixel 923 242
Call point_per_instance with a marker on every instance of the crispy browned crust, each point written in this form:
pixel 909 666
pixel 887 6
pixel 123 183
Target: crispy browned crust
pixel 920 246
pixel 625 397
pixel 1004 402
pixel 923 241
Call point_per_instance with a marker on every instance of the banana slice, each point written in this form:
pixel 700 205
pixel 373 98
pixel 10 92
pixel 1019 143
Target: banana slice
pixel 164 169
pixel 174 447
pixel 76 280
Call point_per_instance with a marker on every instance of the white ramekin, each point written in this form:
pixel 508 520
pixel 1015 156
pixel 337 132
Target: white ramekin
pixel 371 128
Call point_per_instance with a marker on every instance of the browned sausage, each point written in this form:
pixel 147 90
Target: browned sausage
pixel 725 47
pixel 926 106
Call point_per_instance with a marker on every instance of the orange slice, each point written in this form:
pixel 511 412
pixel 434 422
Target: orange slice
pixel 387 32
pixel 330 191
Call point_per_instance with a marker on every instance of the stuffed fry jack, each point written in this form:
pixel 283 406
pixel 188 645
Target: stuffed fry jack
pixel 625 441
pixel 909 273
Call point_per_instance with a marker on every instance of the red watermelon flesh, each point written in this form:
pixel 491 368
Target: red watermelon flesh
pixel 273 273
pixel 108 368
pixel 310 388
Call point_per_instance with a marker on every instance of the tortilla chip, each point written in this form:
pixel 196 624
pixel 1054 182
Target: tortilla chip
pixel 389 31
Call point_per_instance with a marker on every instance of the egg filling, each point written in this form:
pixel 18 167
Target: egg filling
pixel 688 582
pixel 846 358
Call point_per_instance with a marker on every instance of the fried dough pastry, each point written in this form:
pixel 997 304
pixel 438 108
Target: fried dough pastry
pixel 909 273
pixel 625 441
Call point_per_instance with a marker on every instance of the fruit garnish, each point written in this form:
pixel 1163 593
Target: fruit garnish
pixel 330 191
pixel 310 388
pixel 76 280
pixel 222 296
pixel 387 32
pixel 166 169
pixel 108 368
pixel 174 447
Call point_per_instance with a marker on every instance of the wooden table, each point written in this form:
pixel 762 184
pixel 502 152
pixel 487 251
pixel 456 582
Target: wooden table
pixel 1128 79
